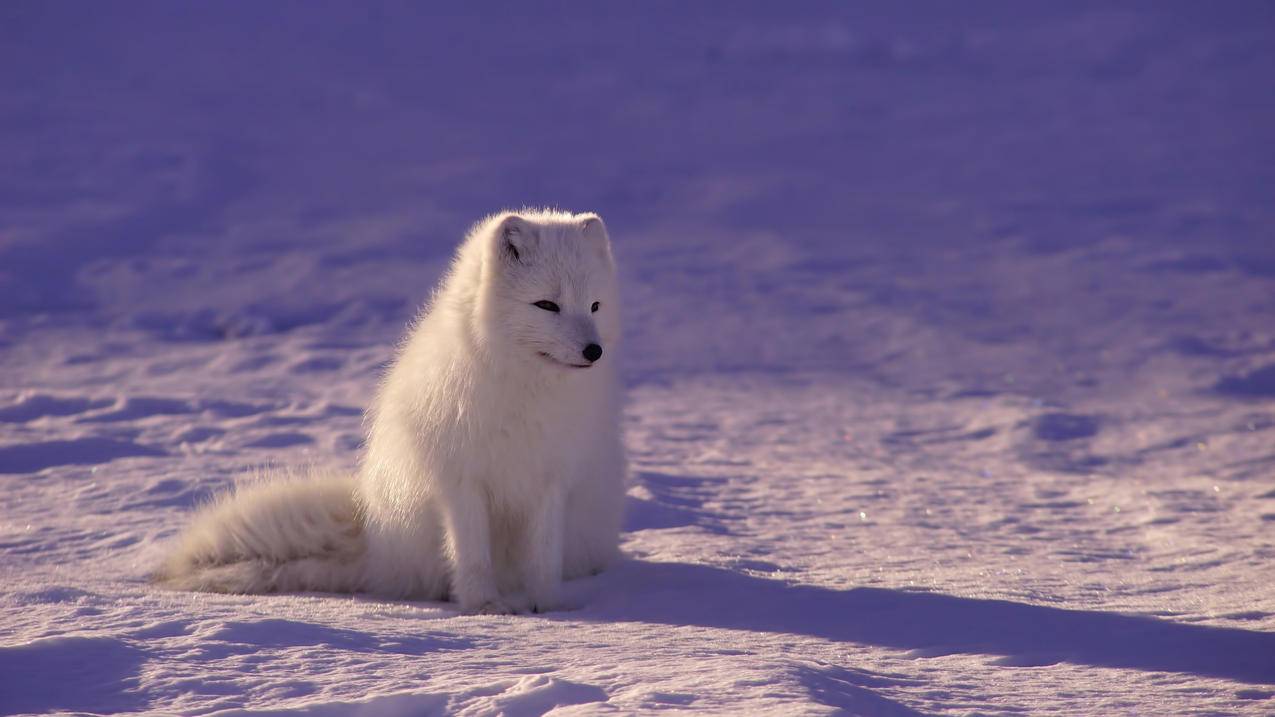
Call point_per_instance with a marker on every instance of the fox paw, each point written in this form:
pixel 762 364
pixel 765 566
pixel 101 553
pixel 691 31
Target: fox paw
pixel 546 604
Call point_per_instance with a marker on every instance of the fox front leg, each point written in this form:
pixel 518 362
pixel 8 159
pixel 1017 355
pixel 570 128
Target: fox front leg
pixel 542 552
pixel 469 547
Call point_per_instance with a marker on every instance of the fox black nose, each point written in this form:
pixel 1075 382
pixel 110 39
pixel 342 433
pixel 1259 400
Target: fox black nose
pixel 592 352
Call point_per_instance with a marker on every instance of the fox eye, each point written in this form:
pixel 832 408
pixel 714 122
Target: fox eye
pixel 547 306
pixel 594 308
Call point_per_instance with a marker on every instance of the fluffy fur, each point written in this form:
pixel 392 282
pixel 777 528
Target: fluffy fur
pixel 495 466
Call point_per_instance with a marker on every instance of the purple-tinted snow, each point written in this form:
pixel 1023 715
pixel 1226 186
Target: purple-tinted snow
pixel 951 345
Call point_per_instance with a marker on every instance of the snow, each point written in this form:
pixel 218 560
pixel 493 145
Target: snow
pixel 950 349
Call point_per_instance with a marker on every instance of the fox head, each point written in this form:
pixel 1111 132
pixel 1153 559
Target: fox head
pixel 549 288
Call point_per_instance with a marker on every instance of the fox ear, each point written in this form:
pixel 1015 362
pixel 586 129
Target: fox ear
pixel 595 233
pixel 592 227
pixel 515 238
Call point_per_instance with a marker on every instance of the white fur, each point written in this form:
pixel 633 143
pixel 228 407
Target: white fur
pixel 495 466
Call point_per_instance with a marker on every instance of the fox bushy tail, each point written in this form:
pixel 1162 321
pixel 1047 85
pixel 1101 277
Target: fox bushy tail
pixel 288 533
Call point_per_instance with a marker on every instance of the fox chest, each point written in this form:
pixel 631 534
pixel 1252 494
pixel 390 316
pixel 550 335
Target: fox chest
pixel 527 447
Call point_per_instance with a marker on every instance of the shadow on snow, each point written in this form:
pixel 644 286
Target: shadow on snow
pixel 935 624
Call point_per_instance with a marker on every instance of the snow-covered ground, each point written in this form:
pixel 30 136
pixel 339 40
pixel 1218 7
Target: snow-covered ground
pixel 951 345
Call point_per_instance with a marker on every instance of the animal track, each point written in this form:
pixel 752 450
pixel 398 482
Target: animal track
pixel 105 669
pixel 85 409
pixel 280 440
pixel 667 501
pixel 31 406
pixel 34 457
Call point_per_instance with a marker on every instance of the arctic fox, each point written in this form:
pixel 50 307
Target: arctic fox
pixel 495 465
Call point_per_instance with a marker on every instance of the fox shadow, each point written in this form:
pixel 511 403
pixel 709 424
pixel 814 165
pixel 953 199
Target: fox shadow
pixel 932 624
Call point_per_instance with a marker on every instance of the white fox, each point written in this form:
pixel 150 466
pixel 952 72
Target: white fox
pixel 495 465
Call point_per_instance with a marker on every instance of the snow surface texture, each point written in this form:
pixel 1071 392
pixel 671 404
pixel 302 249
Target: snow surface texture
pixel 951 346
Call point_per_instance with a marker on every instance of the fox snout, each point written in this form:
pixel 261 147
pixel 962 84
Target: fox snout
pixel 592 353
